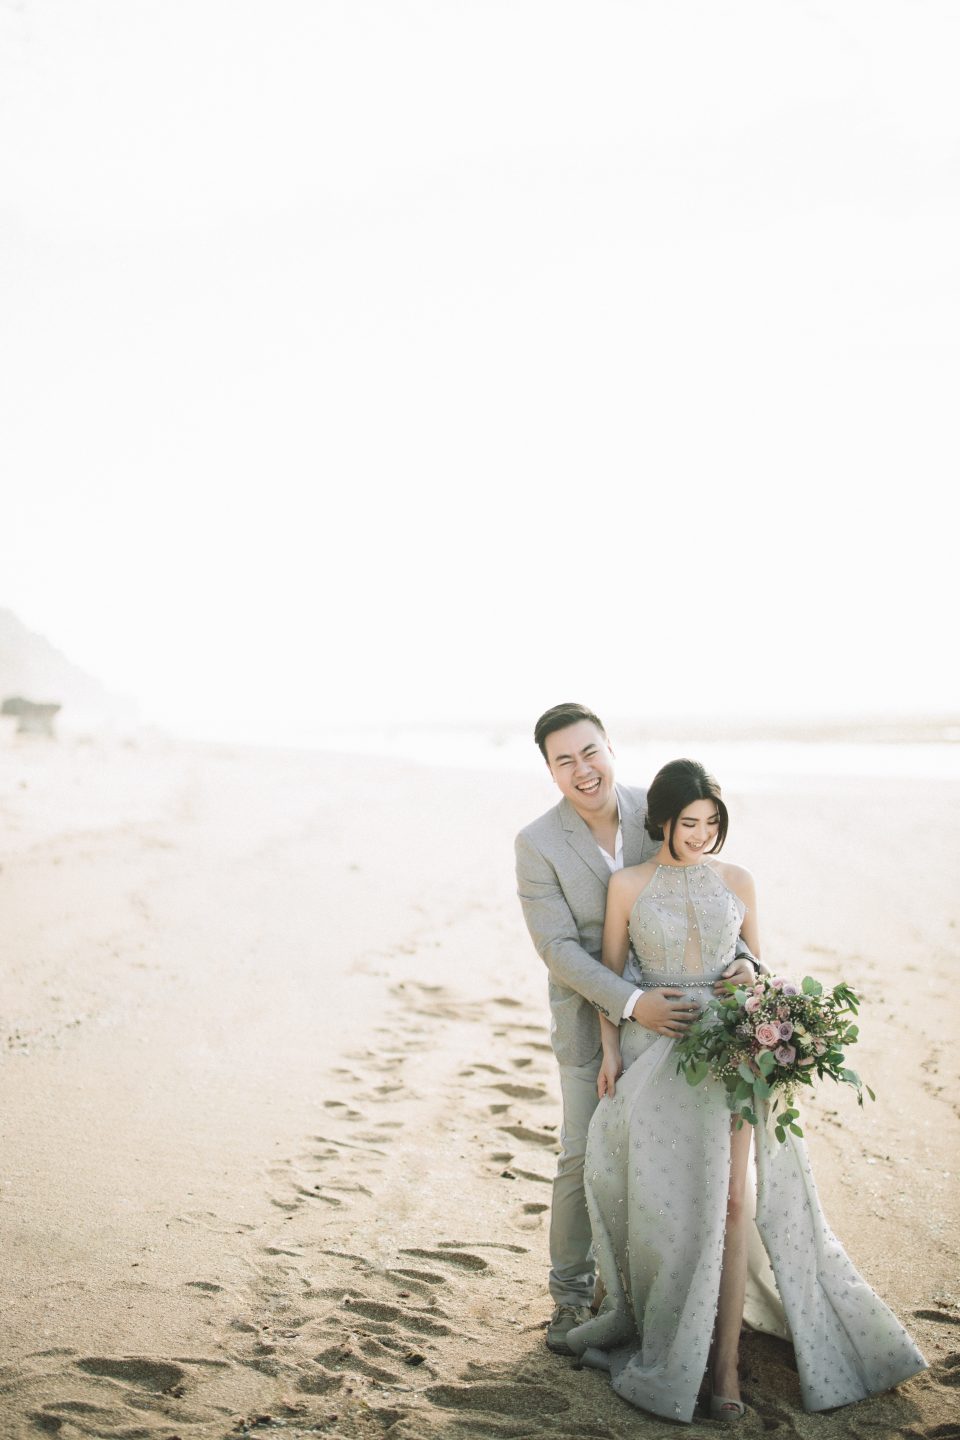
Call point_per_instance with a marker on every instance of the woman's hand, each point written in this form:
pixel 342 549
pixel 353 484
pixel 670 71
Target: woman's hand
pixel 741 972
pixel 610 1072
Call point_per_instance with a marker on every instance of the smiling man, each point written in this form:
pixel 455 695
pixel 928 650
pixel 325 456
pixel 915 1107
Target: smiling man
pixel 564 863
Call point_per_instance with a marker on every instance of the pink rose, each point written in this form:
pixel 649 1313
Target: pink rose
pixel 783 1012
pixel 785 1054
pixel 776 983
pixel 820 1046
pixel 752 1003
pixel 768 1034
pixel 786 1029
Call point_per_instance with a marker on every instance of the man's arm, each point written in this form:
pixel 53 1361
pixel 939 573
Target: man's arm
pixel 553 931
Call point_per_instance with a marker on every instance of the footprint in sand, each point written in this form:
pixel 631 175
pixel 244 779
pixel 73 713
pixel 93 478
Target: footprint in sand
pixel 947 1370
pixel 320 1382
pixel 532 1175
pixel 292 1189
pixel 426 1277
pixel 530 1137
pixel 206 1286
pixel 333 1147
pixel 529 1216
pixel 518 1401
pixel 93 1419
pixel 342 1110
pixel 521 1092
pixel 939 1317
pixel 158 1376
pixel 214 1223
pixel 360 1260
pixel 346 1188
pixel 376 1358
pixel 394 1316
pixel 415 1282
pixel 461 1259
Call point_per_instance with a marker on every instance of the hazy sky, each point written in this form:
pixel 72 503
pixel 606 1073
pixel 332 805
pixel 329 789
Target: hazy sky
pixel 450 359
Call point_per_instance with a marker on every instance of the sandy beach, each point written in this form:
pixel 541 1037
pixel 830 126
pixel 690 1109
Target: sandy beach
pixel 279 1109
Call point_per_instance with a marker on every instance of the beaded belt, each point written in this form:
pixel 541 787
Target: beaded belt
pixel 679 982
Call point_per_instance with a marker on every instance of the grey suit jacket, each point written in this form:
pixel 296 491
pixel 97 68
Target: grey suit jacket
pixel 562 882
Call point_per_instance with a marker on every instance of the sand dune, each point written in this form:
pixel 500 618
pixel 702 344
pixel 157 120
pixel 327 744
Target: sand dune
pixel 280 1113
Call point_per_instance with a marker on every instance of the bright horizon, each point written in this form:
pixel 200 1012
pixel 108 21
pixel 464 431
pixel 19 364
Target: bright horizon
pixel 438 361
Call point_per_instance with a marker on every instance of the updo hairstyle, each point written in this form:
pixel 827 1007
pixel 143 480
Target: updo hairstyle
pixel 675 787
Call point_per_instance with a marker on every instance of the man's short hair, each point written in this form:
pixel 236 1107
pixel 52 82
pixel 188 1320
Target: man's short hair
pixel 558 718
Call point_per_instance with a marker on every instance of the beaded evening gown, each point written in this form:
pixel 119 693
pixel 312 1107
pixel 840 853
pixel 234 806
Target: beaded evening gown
pixel 657 1170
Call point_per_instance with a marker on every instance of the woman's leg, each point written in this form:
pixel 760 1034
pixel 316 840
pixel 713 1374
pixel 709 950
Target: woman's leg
pixel 733 1278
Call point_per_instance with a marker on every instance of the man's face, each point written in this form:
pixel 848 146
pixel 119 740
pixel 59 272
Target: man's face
pixel 581 763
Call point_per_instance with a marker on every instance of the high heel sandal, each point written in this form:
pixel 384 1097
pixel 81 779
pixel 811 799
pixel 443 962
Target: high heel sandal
pixel 728 1411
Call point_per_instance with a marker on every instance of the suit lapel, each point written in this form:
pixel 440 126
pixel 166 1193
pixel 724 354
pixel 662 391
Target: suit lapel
pixel 579 837
pixel 635 838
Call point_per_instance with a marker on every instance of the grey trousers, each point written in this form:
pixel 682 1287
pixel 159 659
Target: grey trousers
pixel 572 1267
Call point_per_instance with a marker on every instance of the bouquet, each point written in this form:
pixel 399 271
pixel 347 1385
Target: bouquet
pixel 764 1040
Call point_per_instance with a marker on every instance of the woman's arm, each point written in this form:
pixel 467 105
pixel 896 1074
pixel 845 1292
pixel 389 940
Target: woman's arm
pixel 616 944
pixel 741 882
pixel 616 936
pixel 611 1067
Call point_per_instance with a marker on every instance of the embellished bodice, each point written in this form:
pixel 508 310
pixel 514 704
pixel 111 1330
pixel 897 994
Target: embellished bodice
pixel 684 926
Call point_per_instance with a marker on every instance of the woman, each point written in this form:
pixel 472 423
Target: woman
pixel 666 1168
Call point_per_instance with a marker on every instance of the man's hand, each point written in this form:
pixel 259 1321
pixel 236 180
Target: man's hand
pixel 610 1072
pixel 741 972
pixel 666 1012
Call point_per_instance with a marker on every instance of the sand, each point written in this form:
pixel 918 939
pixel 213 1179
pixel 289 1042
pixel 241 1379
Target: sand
pixel 279 1111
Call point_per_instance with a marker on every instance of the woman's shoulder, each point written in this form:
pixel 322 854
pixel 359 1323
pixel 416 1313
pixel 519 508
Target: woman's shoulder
pixel 632 879
pixel 736 878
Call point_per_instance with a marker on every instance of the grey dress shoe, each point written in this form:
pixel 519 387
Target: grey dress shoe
pixel 565 1318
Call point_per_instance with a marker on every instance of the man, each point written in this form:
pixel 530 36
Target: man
pixel 564 863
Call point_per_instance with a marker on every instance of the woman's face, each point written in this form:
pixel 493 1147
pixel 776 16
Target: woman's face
pixel 695 831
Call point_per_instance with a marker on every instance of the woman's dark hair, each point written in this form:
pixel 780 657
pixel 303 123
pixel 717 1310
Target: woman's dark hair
pixel 558 718
pixel 675 787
